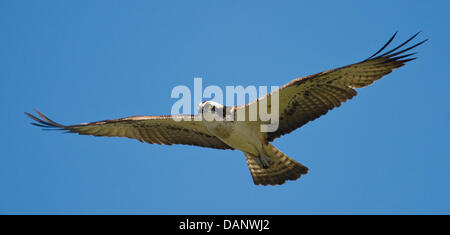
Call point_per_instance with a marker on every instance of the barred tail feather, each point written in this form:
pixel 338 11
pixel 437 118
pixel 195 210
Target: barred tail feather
pixel 281 169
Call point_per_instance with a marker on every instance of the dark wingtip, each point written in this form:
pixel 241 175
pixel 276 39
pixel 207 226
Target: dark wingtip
pixel 395 54
pixel 45 122
pixel 39 125
pixel 28 114
pixel 383 47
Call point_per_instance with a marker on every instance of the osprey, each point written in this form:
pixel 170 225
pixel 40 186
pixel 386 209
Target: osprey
pixel 300 101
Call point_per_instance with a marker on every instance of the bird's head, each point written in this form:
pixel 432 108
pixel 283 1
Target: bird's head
pixel 211 110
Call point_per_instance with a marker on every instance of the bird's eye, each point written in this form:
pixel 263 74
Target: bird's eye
pixel 213 108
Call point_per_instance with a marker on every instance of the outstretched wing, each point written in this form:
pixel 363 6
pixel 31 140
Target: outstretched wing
pixel 150 129
pixel 307 98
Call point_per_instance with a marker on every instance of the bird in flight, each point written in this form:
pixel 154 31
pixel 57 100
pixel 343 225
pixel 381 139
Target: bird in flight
pixel 300 101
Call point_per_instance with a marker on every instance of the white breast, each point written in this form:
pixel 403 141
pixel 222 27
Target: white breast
pixel 239 135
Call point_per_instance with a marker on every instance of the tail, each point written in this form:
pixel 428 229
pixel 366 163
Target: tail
pixel 280 169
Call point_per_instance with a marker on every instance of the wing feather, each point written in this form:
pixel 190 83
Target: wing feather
pixel 305 99
pixel 150 129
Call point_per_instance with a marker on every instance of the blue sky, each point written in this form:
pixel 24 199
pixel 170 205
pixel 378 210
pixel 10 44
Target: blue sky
pixel 384 152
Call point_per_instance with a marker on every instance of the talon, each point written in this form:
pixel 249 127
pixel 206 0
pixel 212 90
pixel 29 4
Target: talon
pixel 265 161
